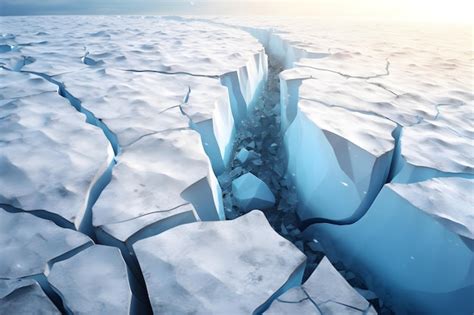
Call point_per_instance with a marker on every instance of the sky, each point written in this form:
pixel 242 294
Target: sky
pixel 417 10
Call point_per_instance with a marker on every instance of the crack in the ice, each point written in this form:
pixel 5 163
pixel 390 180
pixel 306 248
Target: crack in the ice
pixel 211 76
pixel 348 76
pixel 168 108
pixel 365 112
pixel 151 134
pixel 180 106
pixel 380 85
pixel 311 300
pixel 12 99
pixel 50 292
pixel 292 302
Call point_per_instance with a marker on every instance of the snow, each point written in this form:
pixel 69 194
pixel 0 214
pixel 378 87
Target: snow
pixel 229 265
pixel 93 282
pixel 23 296
pixel 453 150
pixel 325 292
pixel 251 193
pixel 29 244
pixel 415 242
pixel 44 139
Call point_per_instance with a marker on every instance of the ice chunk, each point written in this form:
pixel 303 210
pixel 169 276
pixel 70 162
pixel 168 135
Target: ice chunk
pixel 415 243
pixel 159 174
pixel 338 166
pixel 29 244
pixel 325 292
pixel 251 193
pixel 93 281
pixel 50 158
pixel 236 265
pixel 24 297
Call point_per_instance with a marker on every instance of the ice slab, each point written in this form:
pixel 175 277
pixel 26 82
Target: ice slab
pixel 430 275
pixel 251 193
pixel 137 104
pixel 29 244
pixel 50 157
pixel 233 265
pixel 338 160
pixel 325 292
pixel 154 178
pixel 353 94
pixel 93 281
pixel 437 148
pixel 24 296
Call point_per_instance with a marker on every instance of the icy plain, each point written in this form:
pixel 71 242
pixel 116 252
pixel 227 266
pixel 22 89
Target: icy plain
pixel 122 137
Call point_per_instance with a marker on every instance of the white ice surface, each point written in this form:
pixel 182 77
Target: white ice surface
pixel 28 244
pixel 45 140
pixel 93 281
pixel 328 290
pixel 227 266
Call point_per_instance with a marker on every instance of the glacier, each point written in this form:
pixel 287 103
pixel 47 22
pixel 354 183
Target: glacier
pixel 132 156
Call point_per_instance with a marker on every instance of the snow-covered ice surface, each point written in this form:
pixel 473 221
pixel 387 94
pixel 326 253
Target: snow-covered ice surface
pixel 218 267
pixel 121 130
pixel 29 244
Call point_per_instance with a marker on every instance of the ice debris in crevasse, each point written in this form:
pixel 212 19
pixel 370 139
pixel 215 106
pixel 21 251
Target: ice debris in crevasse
pixel 94 281
pixel 238 265
pixel 23 296
pixel 250 193
pixel 325 292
